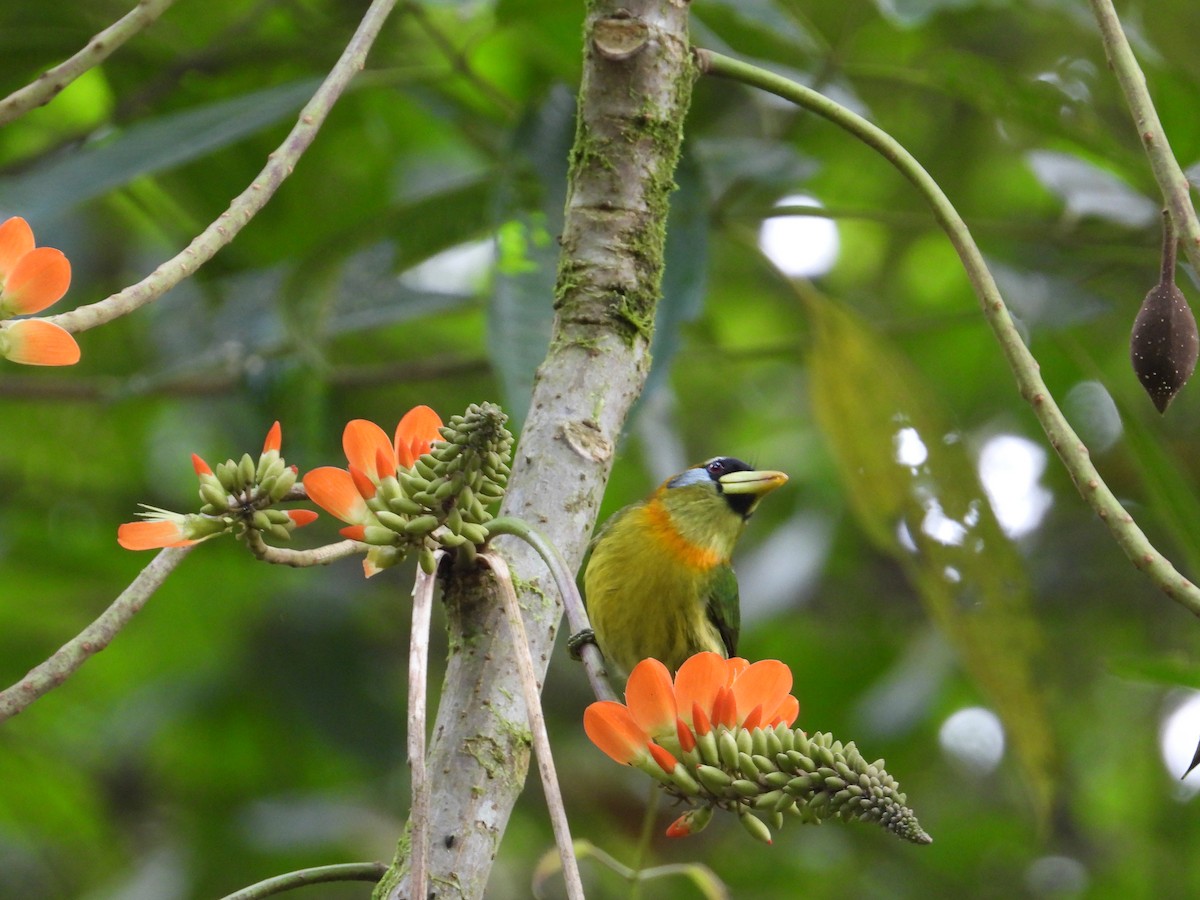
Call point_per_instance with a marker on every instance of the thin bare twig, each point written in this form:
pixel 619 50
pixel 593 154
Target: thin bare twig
pixel 418 675
pixel 50 83
pixel 537 725
pixel 1170 177
pixel 299 559
pixel 1066 443
pixel 248 203
pixel 70 656
pixel 367 871
pixel 577 619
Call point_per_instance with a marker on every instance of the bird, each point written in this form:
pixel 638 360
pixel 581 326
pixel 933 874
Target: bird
pixel 657 579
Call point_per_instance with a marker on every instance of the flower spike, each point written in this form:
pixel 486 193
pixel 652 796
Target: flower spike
pixel 739 752
pixel 238 497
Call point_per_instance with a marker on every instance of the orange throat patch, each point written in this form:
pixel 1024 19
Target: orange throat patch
pixel 674 543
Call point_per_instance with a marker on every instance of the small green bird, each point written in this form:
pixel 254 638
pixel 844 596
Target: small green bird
pixel 658 581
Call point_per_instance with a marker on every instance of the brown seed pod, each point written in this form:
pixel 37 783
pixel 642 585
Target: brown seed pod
pixel 1164 344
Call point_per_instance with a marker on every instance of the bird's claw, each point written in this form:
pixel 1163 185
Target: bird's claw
pixel 576 642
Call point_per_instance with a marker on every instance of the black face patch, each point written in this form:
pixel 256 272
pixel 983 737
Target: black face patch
pixel 742 504
pixel 723 465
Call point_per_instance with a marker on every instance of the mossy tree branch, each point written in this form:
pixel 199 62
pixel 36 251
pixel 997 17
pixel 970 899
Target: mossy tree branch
pixel 637 79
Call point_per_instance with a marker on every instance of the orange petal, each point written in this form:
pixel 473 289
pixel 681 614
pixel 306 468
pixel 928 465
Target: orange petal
pixel 651 698
pixel 302 517
pixel 765 684
pixel 151 535
pixel 274 439
pixel 753 718
pixel 734 667
pixel 787 712
pixel 39 278
pixel 16 239
pixel 35 342
pixel 385 462
pixel 333 490
pixel 416 431
pixel 201 467
pixel 681 827
pixel 663 757
pixel 356 533
pixel 611 727
pixel 724 709
pixel 365 486
pixel 700 720
pixel 687 740
pixel 697 682
pixel 362 440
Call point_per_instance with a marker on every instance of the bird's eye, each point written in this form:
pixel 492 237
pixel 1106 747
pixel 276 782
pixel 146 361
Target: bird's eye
pixel 716 468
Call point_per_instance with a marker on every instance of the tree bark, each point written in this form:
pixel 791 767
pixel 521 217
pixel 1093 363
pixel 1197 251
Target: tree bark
pixel 637 79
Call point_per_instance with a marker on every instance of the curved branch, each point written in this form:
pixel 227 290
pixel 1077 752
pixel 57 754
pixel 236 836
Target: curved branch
pixel 1070 449
pixel 299 559
pixel 367 871
pixel 43 678
pixel 1171 180
pixel 248 203
pixel 50 83
pixel 577 618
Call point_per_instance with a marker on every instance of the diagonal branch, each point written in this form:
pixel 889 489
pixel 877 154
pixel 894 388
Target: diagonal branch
pixel 67 659
pixel 1171 180
pixel 50 83
pixel 1066 443
pixel 248 203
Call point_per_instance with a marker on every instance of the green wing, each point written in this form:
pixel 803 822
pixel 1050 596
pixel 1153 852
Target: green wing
pixel 596 538
pixel 723 608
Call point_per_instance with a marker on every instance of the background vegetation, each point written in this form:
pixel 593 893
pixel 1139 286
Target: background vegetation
pixel 251 720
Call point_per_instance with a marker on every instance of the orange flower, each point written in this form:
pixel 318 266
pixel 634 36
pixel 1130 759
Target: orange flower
pixel 31 279
pixel 708 692
pixel 267 484
pixel 371 458
pixel 153 534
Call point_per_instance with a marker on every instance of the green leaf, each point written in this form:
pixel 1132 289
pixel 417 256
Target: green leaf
pixel 916 494
pixel 150 146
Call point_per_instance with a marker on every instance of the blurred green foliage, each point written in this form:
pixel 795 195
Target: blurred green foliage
pixel 251 720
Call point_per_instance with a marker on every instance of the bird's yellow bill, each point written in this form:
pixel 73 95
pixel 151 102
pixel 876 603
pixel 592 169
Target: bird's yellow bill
pixel 752 482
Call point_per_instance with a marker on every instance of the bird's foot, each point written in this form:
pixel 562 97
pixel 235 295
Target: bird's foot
pixel 576 642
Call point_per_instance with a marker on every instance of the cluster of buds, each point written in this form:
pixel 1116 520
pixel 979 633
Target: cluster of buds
pixel 720 736
pixel 462 475
pixel 775 771
pixel 428 488
pixel 242 491
pixel 236 498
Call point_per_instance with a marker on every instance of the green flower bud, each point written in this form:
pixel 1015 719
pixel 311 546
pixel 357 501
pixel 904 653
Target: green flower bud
pixel 421 525
pixel 390 520
pixel 714 780
pixel 755 827
pixel 284 483
pixel 728 749
pixel 379 535
pixel 245 472
pixel 746 766
pixel 213 494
